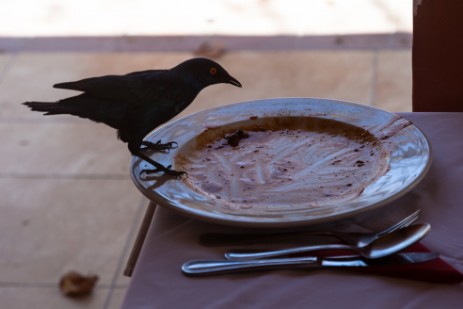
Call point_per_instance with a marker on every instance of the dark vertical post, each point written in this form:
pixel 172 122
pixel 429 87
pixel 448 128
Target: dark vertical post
pixel 437 55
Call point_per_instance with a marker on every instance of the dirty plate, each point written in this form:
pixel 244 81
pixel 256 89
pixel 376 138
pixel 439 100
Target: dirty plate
pixel 285 162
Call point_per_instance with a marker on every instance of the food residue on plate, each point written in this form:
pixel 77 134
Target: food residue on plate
pixel 276 161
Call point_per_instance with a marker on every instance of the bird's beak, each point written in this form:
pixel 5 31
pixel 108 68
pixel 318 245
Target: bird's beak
pixel 233 81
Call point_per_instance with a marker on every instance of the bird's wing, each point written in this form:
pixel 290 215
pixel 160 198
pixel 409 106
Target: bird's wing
pixel 129 87
pixel 100 110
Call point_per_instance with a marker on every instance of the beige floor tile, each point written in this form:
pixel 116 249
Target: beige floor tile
pixel 117 298
pixel 51 226
pixel 48 297
pixel 393 87
pixel 62 148
pixel 4 61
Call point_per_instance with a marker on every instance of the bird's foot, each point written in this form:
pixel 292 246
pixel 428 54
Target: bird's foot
pixel 167 170
pixel 158 146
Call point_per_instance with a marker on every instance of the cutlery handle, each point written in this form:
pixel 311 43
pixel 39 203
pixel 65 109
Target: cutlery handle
pixel 241 255
pixel 203 267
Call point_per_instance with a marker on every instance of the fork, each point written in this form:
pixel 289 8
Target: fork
pixel 354 239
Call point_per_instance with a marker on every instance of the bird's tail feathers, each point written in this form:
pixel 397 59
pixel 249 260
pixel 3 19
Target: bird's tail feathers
pixel 46 107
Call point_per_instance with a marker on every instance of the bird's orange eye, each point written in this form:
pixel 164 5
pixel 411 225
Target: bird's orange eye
pixel 213 71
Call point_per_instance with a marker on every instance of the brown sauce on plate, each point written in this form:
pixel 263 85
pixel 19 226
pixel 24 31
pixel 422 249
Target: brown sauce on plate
pixel 279 162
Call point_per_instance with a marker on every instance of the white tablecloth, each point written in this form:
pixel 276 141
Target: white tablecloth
pixel 157 281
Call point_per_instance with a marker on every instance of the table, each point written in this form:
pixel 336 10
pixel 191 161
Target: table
pixel 157 281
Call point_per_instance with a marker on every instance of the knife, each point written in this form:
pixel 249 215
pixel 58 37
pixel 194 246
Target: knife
pixel 209 267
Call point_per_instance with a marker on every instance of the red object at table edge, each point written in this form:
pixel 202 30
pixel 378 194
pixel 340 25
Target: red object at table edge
pixel 436 271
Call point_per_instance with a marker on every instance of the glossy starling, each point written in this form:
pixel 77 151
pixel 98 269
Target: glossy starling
pixel 137 103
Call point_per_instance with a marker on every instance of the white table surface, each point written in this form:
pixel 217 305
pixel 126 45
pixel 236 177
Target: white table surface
pixel 157 281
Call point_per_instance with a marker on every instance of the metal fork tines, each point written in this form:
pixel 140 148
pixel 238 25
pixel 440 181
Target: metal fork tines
pixel 355 239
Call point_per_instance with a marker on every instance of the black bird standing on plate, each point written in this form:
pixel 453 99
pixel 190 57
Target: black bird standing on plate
pixel 137 103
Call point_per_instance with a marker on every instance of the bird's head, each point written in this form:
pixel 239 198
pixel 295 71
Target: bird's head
pixel 206 72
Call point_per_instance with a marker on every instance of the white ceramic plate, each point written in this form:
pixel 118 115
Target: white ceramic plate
pixel 305 161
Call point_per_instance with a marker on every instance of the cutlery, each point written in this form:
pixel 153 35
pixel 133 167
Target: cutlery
pixel 383 246
pixel 354 239
pixel 206 267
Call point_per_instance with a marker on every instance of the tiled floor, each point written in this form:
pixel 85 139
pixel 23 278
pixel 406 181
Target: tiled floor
pixel 67 199
pixel 68 202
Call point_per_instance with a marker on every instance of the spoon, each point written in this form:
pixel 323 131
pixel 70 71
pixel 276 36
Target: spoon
pixel 383 246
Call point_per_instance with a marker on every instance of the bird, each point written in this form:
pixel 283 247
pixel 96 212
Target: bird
pixel 136 103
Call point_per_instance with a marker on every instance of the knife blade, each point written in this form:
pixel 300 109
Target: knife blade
pixel 209 267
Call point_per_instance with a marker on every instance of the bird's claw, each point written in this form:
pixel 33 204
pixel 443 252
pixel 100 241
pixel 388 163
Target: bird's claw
pixel 174 173
pixel 166 170
pixel 170 145
pixel 158 146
